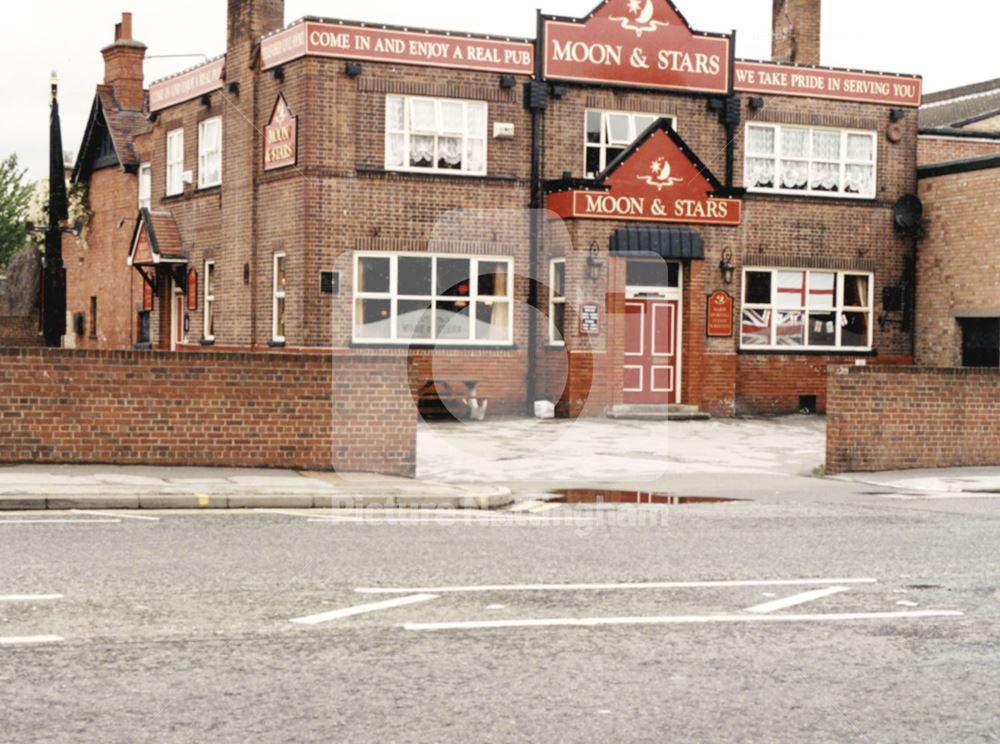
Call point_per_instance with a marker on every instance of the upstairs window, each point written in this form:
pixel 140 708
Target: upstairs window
pixel 145 186
pixel 609 133
pixel 810 161
pixel 430 134
pixel 175 162
pixel 210 152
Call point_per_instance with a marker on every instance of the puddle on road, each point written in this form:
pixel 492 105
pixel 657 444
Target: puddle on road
pixel 593 496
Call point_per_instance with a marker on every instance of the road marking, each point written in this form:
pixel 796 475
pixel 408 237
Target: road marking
pixel 545 508
pixel 204 501
pixel 677 620
pixel 419 517
pixel 611 587
pixel 30 640
pixel 362 609
pixel 526 506
pixel 797 599
pixel 60 521
pixel 29 597
pixel 118 516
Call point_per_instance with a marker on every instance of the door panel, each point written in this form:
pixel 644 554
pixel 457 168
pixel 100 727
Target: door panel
pixel 652 351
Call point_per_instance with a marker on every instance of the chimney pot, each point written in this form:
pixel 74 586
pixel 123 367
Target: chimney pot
pixel 126 26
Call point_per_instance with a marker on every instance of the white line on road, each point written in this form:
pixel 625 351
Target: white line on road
pixel 29 640
pixel 433 517
pixel 546 508
pixel 677 620
pixel 29 597
pixel 118 516
pixel 362 609
pixel 797 599
pixel 60 521
pixel 611 587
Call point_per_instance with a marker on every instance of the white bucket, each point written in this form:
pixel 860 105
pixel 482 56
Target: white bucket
pixel 545 410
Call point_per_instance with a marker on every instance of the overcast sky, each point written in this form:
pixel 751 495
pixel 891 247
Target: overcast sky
pixel 950 44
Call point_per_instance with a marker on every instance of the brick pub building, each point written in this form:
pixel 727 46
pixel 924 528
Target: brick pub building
pixel 715 231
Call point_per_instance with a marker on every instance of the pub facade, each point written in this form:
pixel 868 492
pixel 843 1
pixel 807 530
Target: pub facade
pixel 619 215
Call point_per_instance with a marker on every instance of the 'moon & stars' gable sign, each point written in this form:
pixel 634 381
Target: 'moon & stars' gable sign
pixel 643 43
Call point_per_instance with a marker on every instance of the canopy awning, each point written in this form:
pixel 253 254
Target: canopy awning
pixel 667 242
pixel 156 240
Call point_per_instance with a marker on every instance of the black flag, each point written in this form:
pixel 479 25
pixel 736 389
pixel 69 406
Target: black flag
pixel 54 300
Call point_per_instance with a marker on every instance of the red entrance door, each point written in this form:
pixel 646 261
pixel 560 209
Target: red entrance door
pixel 652 351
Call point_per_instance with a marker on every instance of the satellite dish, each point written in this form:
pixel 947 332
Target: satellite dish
pixel 908 212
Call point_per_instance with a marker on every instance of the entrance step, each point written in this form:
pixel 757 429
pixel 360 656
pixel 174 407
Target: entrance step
pixel 658 413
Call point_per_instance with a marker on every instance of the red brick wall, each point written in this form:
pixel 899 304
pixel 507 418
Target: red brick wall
pixel 345 413
pixel 932 149
pixel 898 418
pixel 958 267
pixel 19 331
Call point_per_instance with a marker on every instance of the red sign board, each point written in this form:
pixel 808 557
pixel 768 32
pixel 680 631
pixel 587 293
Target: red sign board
pixel 142 253
pixel 644 43
pixel 281 137
pixel 184 87
pixel 720 322
pixel 659 180
pixel 192 290
pixel 147 296
pixel 313 38
pixel 841 85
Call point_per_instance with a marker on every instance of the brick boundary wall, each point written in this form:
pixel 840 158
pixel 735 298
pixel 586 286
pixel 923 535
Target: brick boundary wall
pixel 19 331
pixel 903 418
pixel 307 412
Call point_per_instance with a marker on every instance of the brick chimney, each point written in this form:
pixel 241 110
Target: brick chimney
pixel 796 31
pixel 123 62
pixel 251 19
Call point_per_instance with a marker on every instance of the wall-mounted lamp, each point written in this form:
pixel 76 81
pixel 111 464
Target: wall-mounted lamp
pixel 756 103
pixel 560 91
pixel 206 100
pixel 594 263
pixel 278 73
pixel 726 267
pixel 353 69
pixel 897 115
pixel 507 82
pixel 234 88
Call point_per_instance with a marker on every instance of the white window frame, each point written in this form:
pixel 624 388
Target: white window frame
pixel 175 162
pixel 209 303
pixel 635 130
pixel 408 131
pixel 838 310
pixel 209 152
pixel 392 295
pixel 555 300
pixel 145 186
pixel 278 293
pixel 809 192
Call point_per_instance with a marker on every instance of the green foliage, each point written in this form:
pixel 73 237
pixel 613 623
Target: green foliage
pixel 15 195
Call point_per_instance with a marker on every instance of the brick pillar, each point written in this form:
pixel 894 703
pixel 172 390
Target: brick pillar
pixel 796 29
pixel 123 62
pixel 693 340
pixel 247 319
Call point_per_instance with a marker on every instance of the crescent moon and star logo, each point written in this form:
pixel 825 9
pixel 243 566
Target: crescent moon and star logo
pixel 661 178
pixel 640 18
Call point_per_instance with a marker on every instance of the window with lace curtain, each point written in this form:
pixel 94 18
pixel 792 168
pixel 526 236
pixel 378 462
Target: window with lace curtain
pixel 791 309
pixel 432 134
pixel 809 160
pixel 433 299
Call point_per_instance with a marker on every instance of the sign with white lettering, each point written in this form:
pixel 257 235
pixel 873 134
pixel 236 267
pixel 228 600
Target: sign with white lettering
pixel 316 39
pixel 840 85
pixel 187 86
pixel 658 179
pixel 281 137
pixel 590 319
pixel 643 43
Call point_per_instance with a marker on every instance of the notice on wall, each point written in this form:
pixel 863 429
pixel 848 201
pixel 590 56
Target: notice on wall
pixel 719 323
pixel 281 137
pixel 590 319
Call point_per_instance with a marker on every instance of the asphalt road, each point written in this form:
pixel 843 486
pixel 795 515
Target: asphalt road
pixel 179 628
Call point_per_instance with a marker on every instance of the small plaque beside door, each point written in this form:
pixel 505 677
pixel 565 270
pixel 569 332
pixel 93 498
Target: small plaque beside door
pixel 720 315
pixel 590 319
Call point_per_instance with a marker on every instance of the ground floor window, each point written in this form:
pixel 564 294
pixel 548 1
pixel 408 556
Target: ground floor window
pixel 557 302
pixel 443 299
pixel 209 330
pixel 810 310
pixel 280 297
pixel 980 342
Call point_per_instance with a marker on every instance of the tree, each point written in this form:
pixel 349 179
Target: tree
pixel 15 195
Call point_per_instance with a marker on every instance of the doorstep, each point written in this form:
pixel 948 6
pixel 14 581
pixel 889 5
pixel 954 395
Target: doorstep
pixel 657 413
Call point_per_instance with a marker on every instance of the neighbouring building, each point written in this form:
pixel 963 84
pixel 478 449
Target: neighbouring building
pixel 618 212
pixel 960 123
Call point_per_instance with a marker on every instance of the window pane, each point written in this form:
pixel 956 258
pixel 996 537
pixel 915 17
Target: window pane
pixel 855 291
pixel 861 147
pixel 210 280
pixel 453 320
pixel 559 279
pixel 619 129
pixel 421 151
pixel 593 161
pixel 794 174
pixel 452 119
pixel 476 125
pixel 559 322
pixel 652 274
pixel 373 319
pixel 791 329
pixel 822 291
pixel 760 173
pixel 493 279
pixel 281 277
pixel 980 342
pixel 826 145
pixel 453 277
pixel 395 114
pixel 758 290
pixel 825 177
pixel 414 320
pixel 756 327
pixel 855 330
pixel 822 329
pixel 450 153
pixel 476 156
pixel 594 127
pixel 791 289
pixel 415 276
pixel 492 320
pixel 612 153
pixel 644 122
pixel 859 179
pixel 373 274
pixel 794 143
pixel 395 156
pixel 423 115
pixel 279 318
pixel 760 140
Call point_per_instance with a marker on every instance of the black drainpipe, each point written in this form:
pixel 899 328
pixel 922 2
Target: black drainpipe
pixel 731 114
